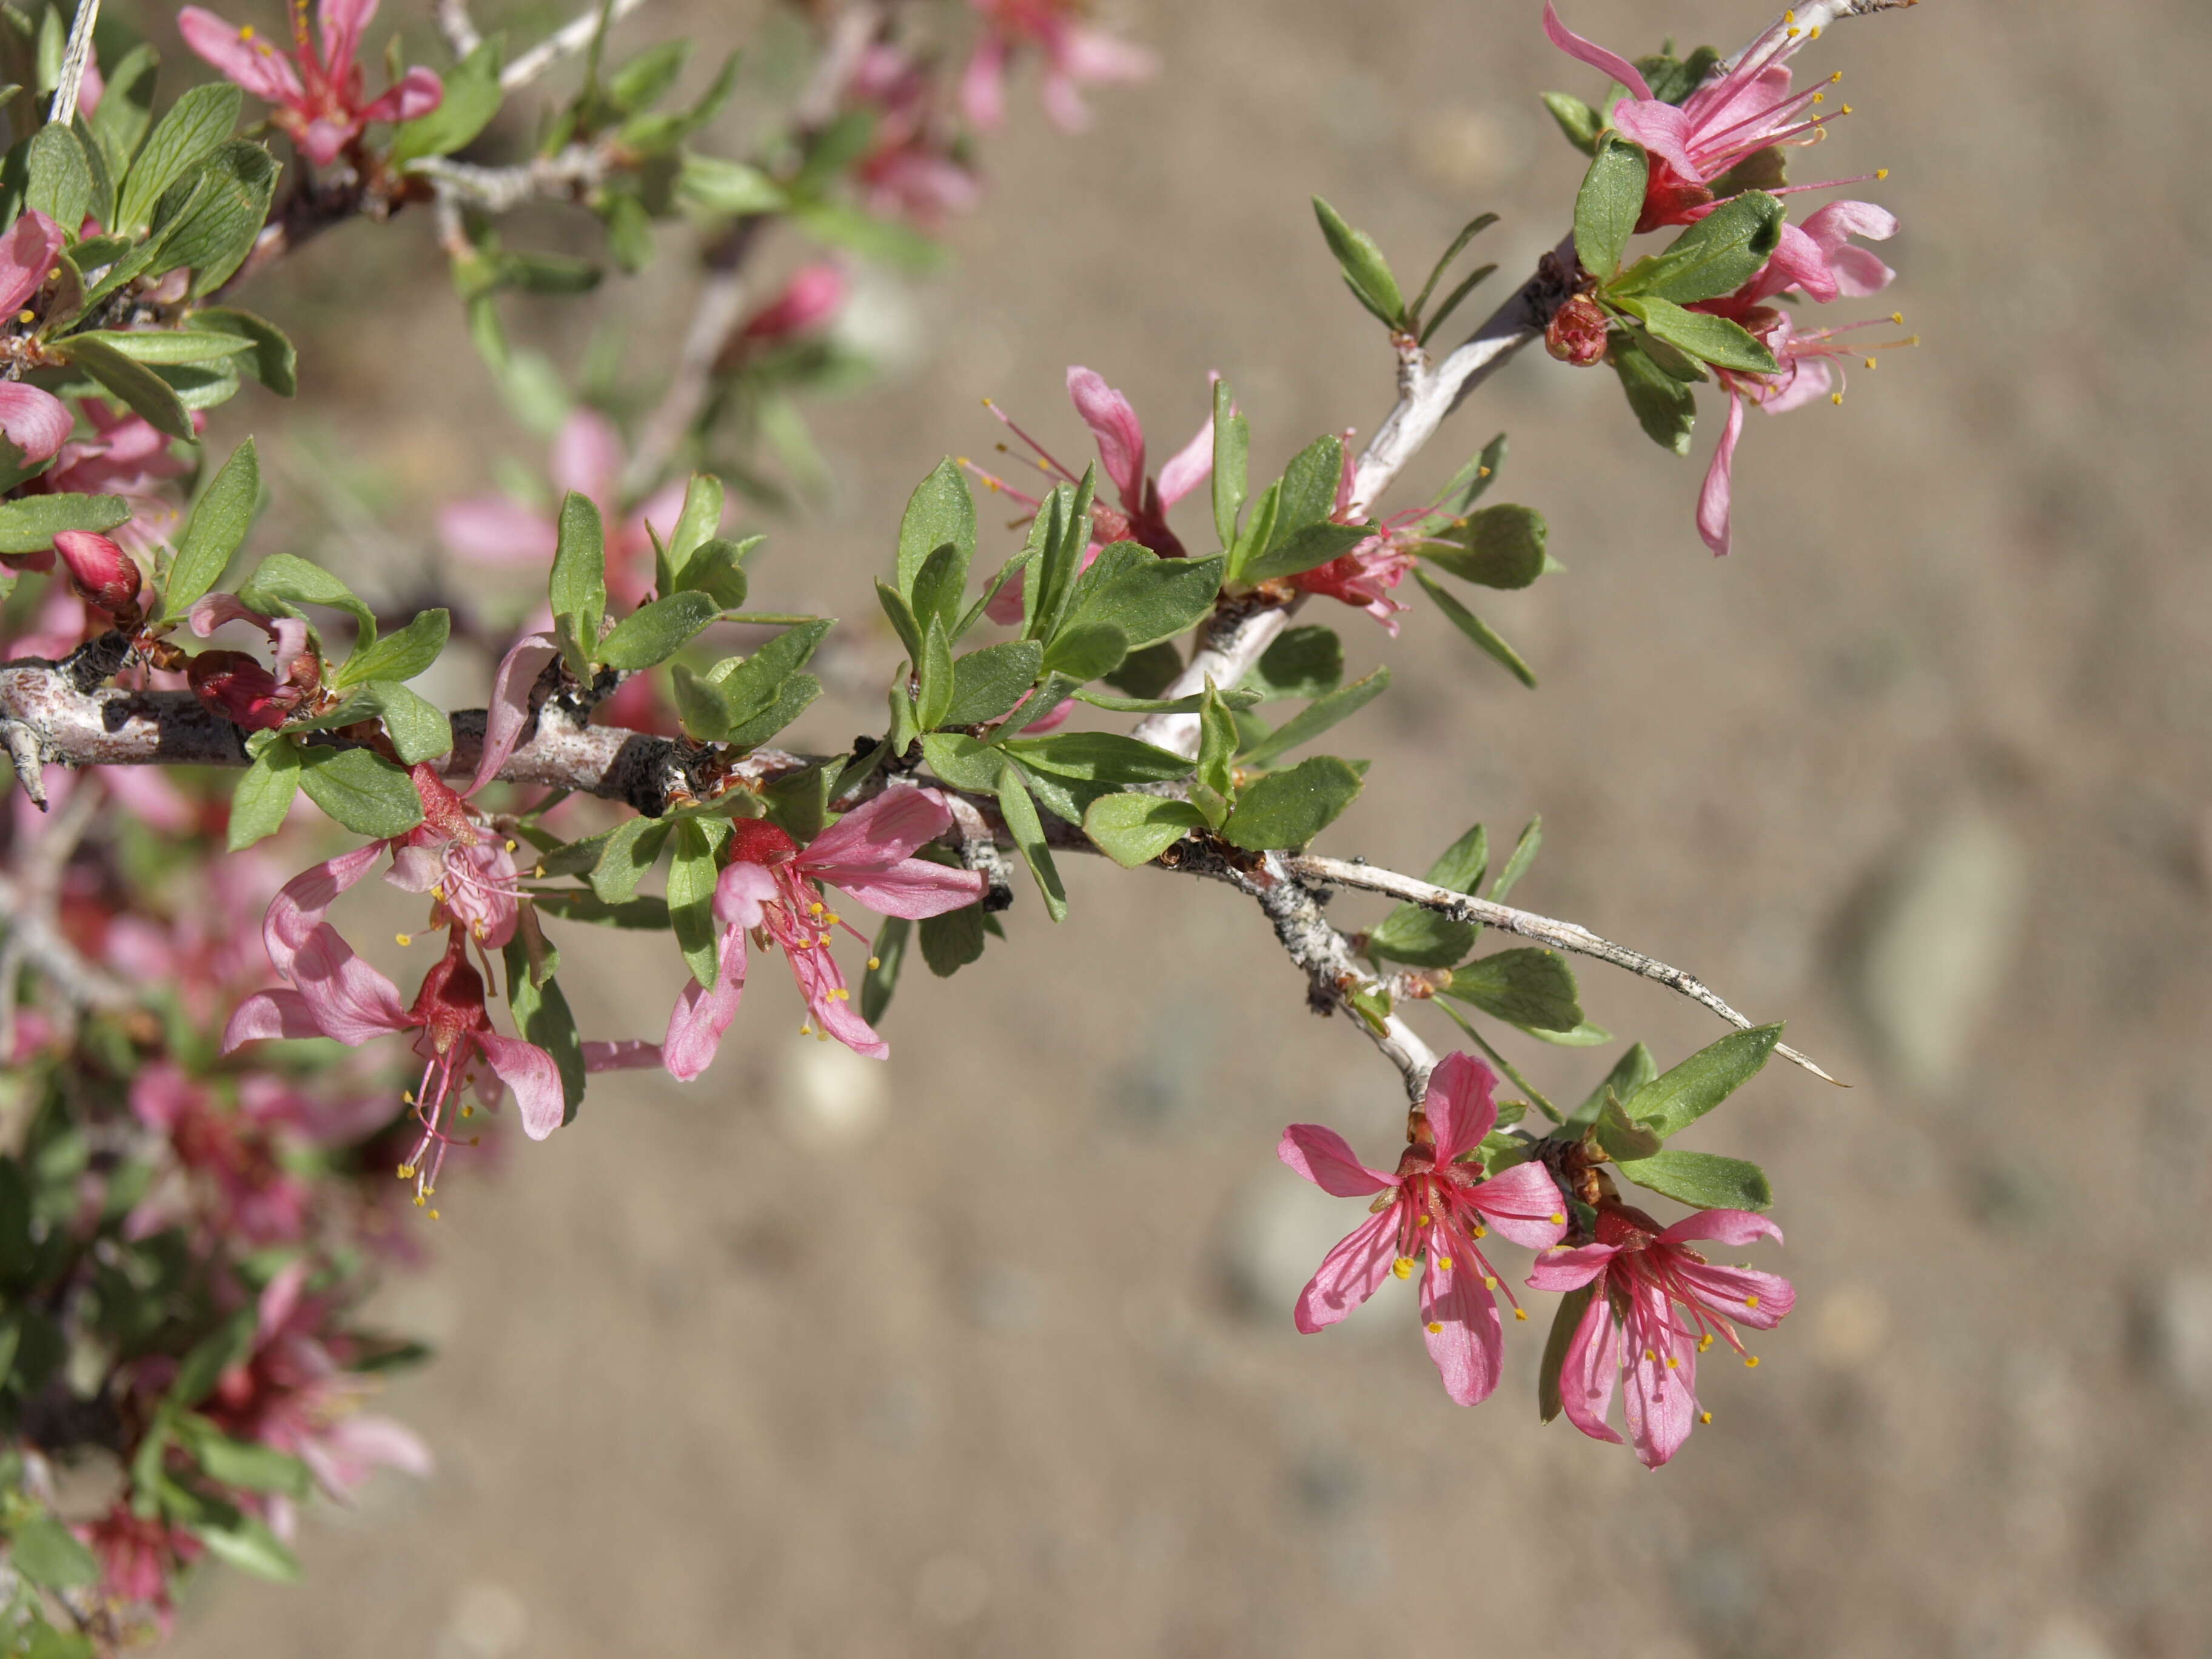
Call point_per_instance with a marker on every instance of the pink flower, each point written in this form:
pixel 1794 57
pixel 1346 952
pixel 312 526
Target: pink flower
pixel 915 168
pixel 36 422
pixel 1643 1274
pixel 138 1557
pixel 806 303
pixel 103 574
pixel 769 889
pixel 589 458
pixel 1434 1205
pixel 125 456
pixel 1074 53
pixel 319 94
pixel 1145 500
pixel 1742 111
pixel 1363 577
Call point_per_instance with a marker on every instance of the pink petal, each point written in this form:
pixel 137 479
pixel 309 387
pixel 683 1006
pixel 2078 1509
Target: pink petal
pixel 1723 1227
pixel 740 890
pixel 343 23
pixel 1055 716
pixel 1570 1270
pixel 416 869
pixel 1324 1158
pixel 1350 1272
pixel 159 1095
pixel 1188 467
pixel 536 1080
pixel 1832 225
pixel 348 999
pixel 628 1055
pixel 510 703
pixel 914 890
pixel 270 1014
pixel 1664 131
pixel 1460 1323
pixel 280 1299
pixel 821 982
pixel 1589 51
pixel 27 254
pixel 379 1442
pixel 1459 1108
pixel 1660 1399
pixel 695 1024
pixel 1858 273
pixel 587 458
pixel 497 530
pixel 1759 1300
pixel 1524 1204
pixel 1114 423
pixel 983 84
pixel 253 63
pixel 1063 101
pixel 324 140
pixel 878 834
pixel 1591 1368
pixel 416 94
pixel 37 423
pixel 1094 55
pixel 1714 500
pixel 302 902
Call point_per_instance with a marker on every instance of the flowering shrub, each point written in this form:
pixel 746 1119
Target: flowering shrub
pixel 208 1090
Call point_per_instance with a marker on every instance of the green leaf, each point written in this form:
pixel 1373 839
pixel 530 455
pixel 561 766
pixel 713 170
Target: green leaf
pixel 884 240
pixel 1666 409
pixel 1290 808
pixel 215 531
pixel 1677 1098
pixel 210 222
pixel 164 345
pixel 1526 987
pixel 1608 204
pixel 1468 232
pixel 1524 854
pixel 886 958
pixel 1584 1036
pixel 362 791
pixel 1478 275
pixel 1086 651
pixel 1478 630
pixel 578 587
pixel 1213 783
pixel 1715 340
pixel 1629 1072
pixel 195 127
pixel 716 569
pixel 281 583
pixel 1235 701
pixel 1303 662
pixel 692 872
pixel 1673 80
pixel 1302 550
pixel 630 850
pixel 1132 829
pixel 963 762
pixel 1564 1322
pixel 1104 757
pixel 126 107
pixel 268 354
pixel 794 695
pixel 30 523
pixel 1232 450
pixel 400 656
pixel 42 1549
pixel 1365 269
pixel 264 795
pixel 1624 1139
pixel 700 521
pixel 213 1355
pixel 934 680
pixel 57 176
pixel 951 941
pixel 653 633
pixel 1581 125
pixel 1019 814
pixel 574 904
pixel 708 184
pixel 989 683
pixel 1765 169
pixel 237 1463
pixel 1147 599
pixel 1422 937
pixel 1058 536
pixel 1308 494
pixel 1468 485
pixel 146 392
pixel 1317 718
pixel 249 1545
pixel 1701 1180
pixel 472 97
pixel 941 512
pixel 1500 546
pixel 1715 256
pixel 418 729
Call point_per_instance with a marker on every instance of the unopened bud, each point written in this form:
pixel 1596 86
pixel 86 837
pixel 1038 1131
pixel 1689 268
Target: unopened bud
pixel 103 574
pixel 1577 332
pixel 809 299
pixel 233 685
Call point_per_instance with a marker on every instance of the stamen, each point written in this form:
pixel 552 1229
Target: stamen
pixel 1558 1218
pixel 1751 1302
pixel 1490 1281
pixel 1520 1312
pixel 1705 1416
pixel 1403 1267
pixel 27 316
pixel 404 939
pixel 1444 1264
pixel 1671 1362
pixel 1751 1360
pixel 1435 1329
pixel 874 962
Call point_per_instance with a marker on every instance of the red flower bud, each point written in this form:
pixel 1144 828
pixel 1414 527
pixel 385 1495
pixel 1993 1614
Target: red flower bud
pixel 233 685
pixel 103 574
pixel 1576 332
pixel 809 299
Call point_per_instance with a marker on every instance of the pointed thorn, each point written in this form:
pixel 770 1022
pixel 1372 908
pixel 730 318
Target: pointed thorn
pixel 24 754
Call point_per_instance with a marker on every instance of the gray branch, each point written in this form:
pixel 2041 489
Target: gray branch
pixel 571 39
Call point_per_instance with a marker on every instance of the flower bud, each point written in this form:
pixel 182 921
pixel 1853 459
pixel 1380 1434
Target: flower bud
pixel 809 299
pixel 231 684
pixel 103 574
pixel 1576 333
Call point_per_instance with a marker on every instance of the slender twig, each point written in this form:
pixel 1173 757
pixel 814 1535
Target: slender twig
pixel 715 314
pixel 1561 935
pixel 74 56
pixel 563 176
pixel 457 26
pixel 571 39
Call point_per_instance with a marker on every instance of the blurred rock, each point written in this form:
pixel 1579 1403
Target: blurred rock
pixel 1930 951
pixel 831 1099
pixel 489 1621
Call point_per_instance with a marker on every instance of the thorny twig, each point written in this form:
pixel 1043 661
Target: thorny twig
pixel 74 56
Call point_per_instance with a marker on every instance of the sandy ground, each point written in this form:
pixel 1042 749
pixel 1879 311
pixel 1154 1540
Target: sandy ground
pixel 988 1352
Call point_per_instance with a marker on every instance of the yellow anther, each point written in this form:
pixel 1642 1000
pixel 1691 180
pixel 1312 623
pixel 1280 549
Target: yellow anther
pixel 835 921
pixel 420 1201
pixel 1444 1264
pixel 1794 34
pixel 1490 1281
pixel 1897 317
pixel 438 894
pixel 1435 1329
pixel 537 872
pixel 404 939
pixel 27 316
pixel 807 1030
pixel 1789 16
pixel 1870 362
pixel 246 33
pixel 1480 1230
pixel 1846 109
pixel 1704 1341
pixel 434 1215
pixel 1705 1416
pixel 1482 472
pixel 406 1172
pixel 1520 1313
pixel 1815 34
pixel 1752 1360
pixel 1820 97
pixel 1671 1362
pixel 476 931
pixel 823 941
pixel 1650 1353
pixel 1751 1302
pixel 822 1036
pixel 1425 1221
pixel 1403 1267
pixel 476 1140
pixel 1837 399
pixel 468 1111
pixel 1837 76
pixel 874 962
pixel 407 1098
pixel 816 908
pixel 1558 1218
pixel 511 846
pixel 1881 174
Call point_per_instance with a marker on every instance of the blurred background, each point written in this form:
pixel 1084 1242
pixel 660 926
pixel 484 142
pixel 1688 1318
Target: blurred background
pixel 988 1350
